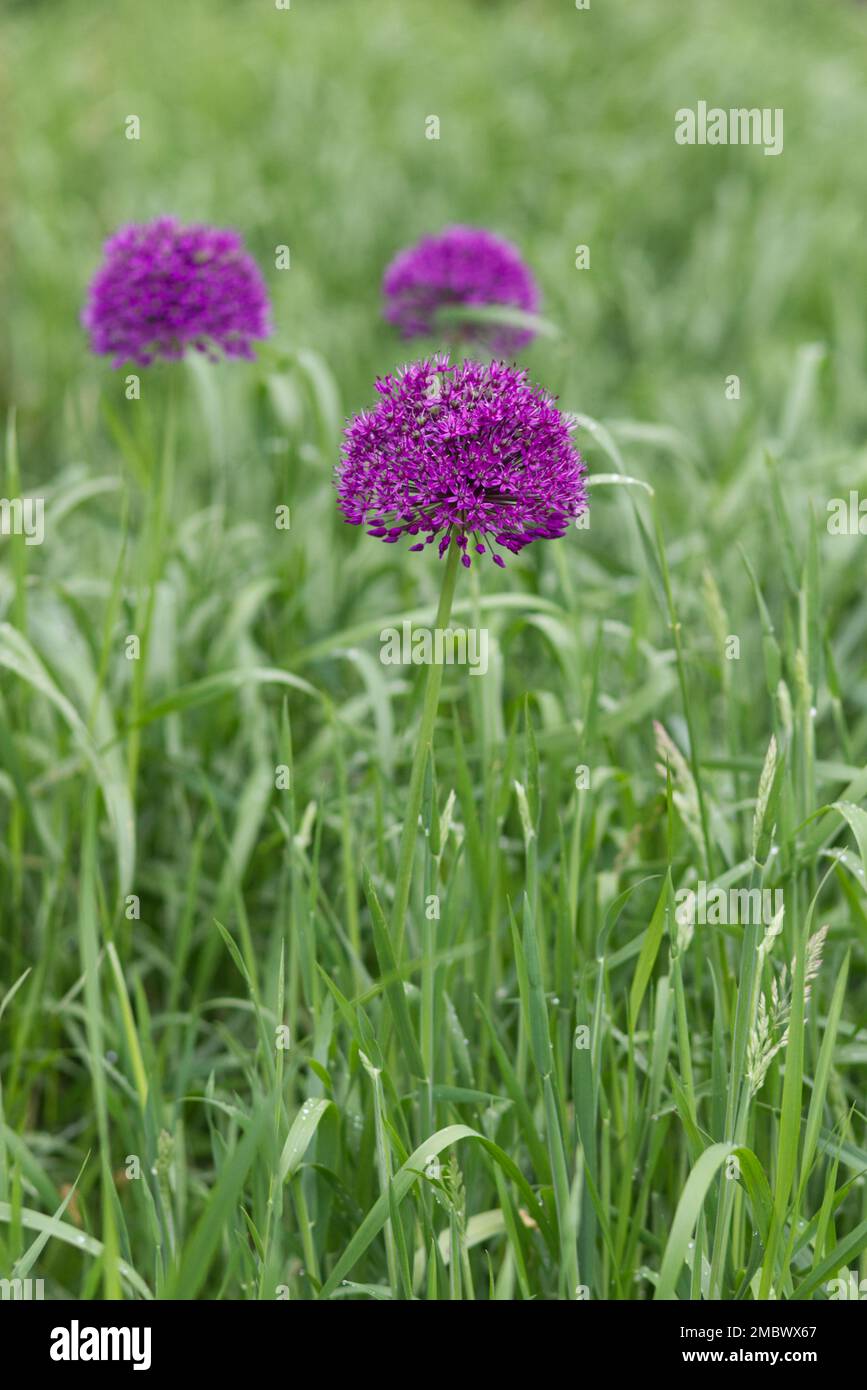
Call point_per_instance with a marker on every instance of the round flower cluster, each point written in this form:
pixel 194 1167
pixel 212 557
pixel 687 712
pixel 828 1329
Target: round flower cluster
pixel 461 266
pixel 163 288
pixel 468 452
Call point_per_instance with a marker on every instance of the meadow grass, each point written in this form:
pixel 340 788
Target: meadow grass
pixel 231 1066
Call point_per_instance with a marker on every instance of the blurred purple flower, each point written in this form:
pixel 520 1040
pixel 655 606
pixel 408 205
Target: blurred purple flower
pixel 469 446
pixel 163 288
pixel 461 266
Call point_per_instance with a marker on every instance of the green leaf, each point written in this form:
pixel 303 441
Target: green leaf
pixel 301 1132
pixel 685 1218
pixel 402 1183
pixel 392 981
pixel 537 1011
pixel 71 1235
pixel 498 314
pixel 849 1248
pixel 221 1206
pixel 17 655
pixel 649 950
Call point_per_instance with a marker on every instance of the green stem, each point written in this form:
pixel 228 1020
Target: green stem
pixel 737 1107
pixel 674 624
pixel 154 553
pixel 425 735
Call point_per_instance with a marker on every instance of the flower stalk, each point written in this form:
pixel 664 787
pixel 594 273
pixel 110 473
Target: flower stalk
pixel 423 743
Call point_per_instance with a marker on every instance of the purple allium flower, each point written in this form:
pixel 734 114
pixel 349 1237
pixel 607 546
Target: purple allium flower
pixel 163 288
pixel 463 265
pixel 465 449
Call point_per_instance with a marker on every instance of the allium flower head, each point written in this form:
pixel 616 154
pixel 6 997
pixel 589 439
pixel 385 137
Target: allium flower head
pixel 163 288
pixel 467 449
pixel 463 265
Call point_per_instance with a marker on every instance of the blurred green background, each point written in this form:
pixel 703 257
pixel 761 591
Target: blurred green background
pixel 306 127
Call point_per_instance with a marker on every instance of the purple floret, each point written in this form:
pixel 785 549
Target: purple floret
pixel 463 265
pixel 466 451
pixel 163 288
